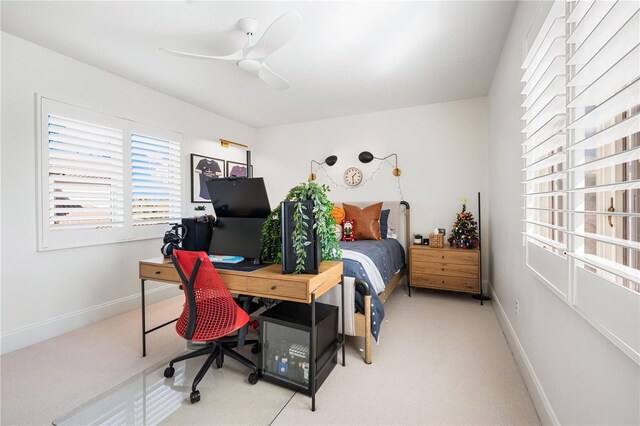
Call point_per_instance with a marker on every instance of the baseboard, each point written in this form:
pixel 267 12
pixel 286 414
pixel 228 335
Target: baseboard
pixel 536 391
pixel 25 336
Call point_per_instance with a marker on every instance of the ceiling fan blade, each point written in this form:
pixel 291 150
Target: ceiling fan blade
pixel 277 35
pixel 234 57
pixel 272 79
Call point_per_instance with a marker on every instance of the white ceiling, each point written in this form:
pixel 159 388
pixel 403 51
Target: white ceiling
pixel 348 57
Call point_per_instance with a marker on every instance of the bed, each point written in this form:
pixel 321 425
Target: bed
pixel 372 271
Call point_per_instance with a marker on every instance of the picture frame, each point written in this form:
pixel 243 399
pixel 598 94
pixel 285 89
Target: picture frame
pixel 204 168
pixel 442 231
pixel 235 169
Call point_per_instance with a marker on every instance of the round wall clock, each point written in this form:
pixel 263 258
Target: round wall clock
pixel 353 176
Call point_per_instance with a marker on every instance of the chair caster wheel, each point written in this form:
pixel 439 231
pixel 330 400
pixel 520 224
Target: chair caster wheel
pixel 219 364
pixel 253 378
pixel 255 348
pixel 168 372
pixel 194 397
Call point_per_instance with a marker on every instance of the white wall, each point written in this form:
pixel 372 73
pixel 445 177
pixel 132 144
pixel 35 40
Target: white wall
pixel 574 374
pixel 442 152
pixel 45 294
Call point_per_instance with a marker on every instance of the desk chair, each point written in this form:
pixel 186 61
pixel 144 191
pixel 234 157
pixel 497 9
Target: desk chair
pixel 209 315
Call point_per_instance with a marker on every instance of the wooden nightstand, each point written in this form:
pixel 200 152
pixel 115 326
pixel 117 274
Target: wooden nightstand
pixel 444 268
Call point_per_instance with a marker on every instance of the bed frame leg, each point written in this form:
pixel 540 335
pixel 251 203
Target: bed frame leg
pixel 367 329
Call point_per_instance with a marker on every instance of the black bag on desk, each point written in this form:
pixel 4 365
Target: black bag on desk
pixel 313 250
pixel 172 239
pixel 198 233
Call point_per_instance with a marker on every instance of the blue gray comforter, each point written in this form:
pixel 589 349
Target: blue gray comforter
pixel 388 258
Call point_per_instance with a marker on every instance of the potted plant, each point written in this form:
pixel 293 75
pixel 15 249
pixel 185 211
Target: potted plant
pixel 324 224
pixel 199 211
pixel 417 238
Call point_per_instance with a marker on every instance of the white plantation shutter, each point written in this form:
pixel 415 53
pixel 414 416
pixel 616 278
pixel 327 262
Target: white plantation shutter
pixel 603 107
pixel 85 180
pixel 91 165
pixel 604 139
pixel 155 180
pixel 543 147
pixel 581 151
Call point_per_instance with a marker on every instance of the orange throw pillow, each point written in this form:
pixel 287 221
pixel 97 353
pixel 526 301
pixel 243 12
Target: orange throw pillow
pixel 367 220
pixel 338 214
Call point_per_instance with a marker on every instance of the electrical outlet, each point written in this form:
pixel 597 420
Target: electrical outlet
pixel 517 307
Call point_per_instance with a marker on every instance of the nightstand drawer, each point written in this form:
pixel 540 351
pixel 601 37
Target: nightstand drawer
pixel 449 269
pixel 446 256
pixel 469 285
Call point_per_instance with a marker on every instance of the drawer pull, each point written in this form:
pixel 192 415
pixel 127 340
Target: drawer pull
pixel 443 269
pixel 273 287
pixel 158 272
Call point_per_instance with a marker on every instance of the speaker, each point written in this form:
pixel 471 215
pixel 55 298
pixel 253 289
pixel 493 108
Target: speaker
pixel 313 250
pixel 198 234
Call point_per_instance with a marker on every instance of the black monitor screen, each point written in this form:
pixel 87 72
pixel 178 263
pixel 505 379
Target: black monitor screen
pixel 239 197
pixel 237 236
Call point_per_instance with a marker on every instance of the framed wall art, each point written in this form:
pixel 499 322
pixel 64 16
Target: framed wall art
pixel 236 169
pixel 203 169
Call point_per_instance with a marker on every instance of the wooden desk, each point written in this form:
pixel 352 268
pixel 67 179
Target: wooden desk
pixel 268 282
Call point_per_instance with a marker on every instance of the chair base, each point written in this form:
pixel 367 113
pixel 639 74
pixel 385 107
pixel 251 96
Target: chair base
pixel 215 351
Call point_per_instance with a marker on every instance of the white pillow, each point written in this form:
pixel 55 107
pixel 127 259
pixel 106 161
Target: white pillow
pixel 338 231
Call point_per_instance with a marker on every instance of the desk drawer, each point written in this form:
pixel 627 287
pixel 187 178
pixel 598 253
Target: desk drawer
pixel 450 269
pixel 234 283
pixel 159 272
pixel 470 285
pixel 277 288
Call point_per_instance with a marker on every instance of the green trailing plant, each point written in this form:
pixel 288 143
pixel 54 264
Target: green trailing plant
pixel 323 223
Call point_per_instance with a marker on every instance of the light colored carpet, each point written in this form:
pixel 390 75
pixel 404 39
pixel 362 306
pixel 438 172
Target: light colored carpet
pixel 442 360
pixel 44 381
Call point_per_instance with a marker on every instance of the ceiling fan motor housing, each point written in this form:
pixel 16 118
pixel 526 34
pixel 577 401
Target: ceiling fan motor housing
pixel 248 25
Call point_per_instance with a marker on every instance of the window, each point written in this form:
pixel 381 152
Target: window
pixel 85 175
pixel 91 165
pixel 155 186
pixel 604 139
pixel 582 173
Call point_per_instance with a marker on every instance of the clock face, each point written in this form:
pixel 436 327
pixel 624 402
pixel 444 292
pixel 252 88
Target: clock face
pixel 353 176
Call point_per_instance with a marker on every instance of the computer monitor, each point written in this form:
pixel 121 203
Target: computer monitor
pixel 239 197
pixel 237 236
pixel 241 206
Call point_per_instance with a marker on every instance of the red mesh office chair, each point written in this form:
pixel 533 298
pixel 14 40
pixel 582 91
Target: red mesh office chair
pixel 210 315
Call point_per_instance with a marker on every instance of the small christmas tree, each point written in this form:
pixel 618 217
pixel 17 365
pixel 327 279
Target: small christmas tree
pixel 465 229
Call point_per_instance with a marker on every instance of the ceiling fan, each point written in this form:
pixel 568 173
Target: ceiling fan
pixel 251 57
